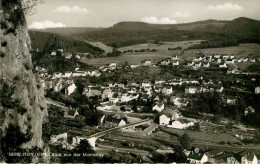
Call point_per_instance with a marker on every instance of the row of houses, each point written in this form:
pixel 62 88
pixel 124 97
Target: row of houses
pixel 222 156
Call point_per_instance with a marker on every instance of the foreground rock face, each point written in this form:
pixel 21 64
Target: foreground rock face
pixel 22 101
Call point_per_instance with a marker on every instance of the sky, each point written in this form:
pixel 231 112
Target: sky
pixel 105 13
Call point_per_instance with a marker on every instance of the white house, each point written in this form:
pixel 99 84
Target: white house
pixel 231 101
pixel 57 75
pixel 191 90
pixel 146 84
pixel 198 65
pixel 107 93
pixel 176 63
pixel 257 90
pixel 206 65
pixel 249 159
pixel 167 62
pixel 53 53
pixel 164 120
pixel 60 137
pixel 68 74
pixel 147 63
pixel 223 66
pixel 91 92
pixel 158 107
pixel 249 110
pixel 71 89
pixel 177 124
pixel 167 90
pixel 197 158
pixel 112 65
pixel 191 64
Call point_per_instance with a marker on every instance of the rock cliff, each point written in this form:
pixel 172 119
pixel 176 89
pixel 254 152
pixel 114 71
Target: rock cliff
pixel 22 102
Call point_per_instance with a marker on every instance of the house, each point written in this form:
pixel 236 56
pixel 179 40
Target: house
pixel 71 88
pixel 191 64
pixel 167 62
pixel 249 158
pixel 57 75
pixel 231 101
pixel 111 122
pixel 68 74
pixel 225 57
pixel 252 60
pixel 164 150
pixel 175 57
pixel 158 107
pixel 72 113
pixel 59 138
pixel 68 55
pixel 206 65
pixel 164 119
pixel 191 90
pixel 249 110
pixel 257 90
pixel 214 152
pixel 58 87
pixel 223 66
pixel 146 84
pixel 220 89
pixel 175 63
pixel 198 65
pixel 159 82
pixel 77 57
pixel 217 56
pixel 230 61
pixel 53 53
pixel 128 97
pixel 233 160
pixel 92 91
pixel 112 65
pixel 147 63
pixel 107 93
pixel 243 157
pixel 258 157
pixel 197 158
pixel 167 90
pixel 60 50
pixel 180 124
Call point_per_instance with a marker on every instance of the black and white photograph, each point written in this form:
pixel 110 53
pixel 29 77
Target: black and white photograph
pixel 130 81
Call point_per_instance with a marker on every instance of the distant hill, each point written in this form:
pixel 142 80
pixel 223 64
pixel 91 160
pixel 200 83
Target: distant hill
pixel 130 33
pixel 244 28
pixel 45 41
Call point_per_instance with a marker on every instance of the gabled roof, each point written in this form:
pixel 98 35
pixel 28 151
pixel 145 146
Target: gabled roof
pixel 196 156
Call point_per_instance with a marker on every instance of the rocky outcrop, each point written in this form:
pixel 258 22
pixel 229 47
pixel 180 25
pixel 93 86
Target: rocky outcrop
pixel 22 102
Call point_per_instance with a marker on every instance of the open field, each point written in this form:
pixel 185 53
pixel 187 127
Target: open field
pixel 205 137
pixel 133 58
pixel 163 47
pixel 242 50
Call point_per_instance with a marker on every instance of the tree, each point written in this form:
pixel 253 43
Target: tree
pixel 185 141
pixel 122 108
pixel 84 147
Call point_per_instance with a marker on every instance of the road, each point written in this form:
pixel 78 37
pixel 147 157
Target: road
pixel 99 134
pixel 56 103
pixel 121 150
